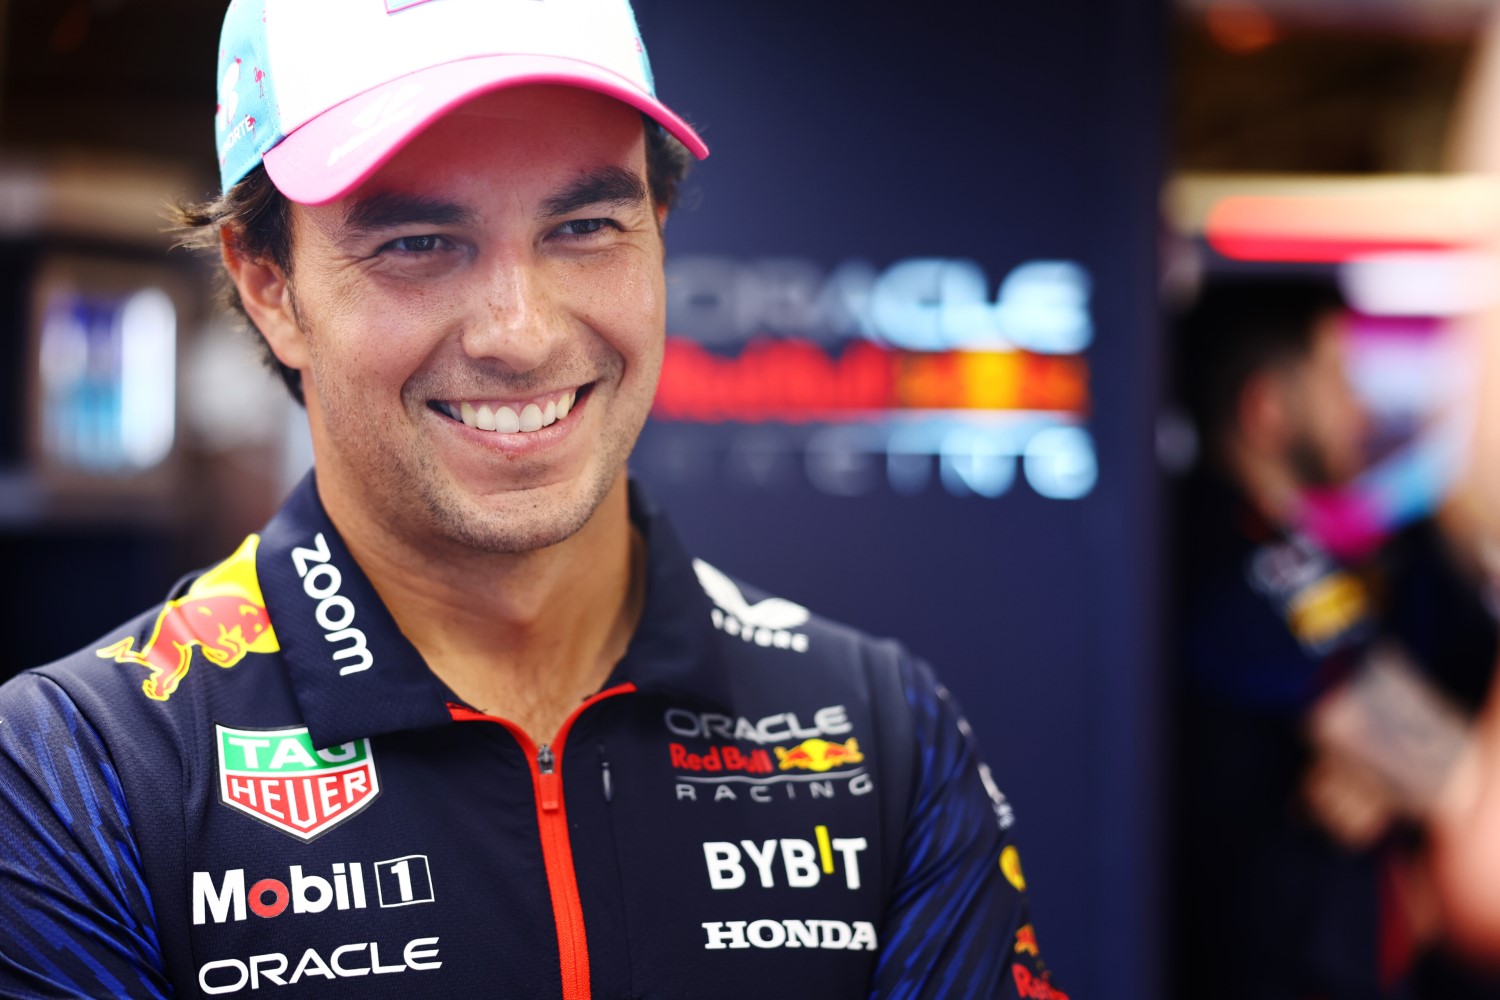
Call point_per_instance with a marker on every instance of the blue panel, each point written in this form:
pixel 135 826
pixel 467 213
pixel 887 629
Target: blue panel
pixel 1000 134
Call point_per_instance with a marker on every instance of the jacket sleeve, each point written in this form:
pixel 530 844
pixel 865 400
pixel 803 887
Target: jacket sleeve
pixel 76 918
pixel 957 923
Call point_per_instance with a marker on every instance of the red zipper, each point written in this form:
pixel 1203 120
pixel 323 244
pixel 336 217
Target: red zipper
pixel 557 850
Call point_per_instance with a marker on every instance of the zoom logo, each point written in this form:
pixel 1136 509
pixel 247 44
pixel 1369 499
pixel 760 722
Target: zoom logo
pixel 321 581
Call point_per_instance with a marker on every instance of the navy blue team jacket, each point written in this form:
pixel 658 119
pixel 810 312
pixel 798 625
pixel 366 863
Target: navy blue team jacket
pixel 260 788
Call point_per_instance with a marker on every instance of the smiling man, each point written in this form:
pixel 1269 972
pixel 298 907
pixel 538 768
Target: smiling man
pixel 463 719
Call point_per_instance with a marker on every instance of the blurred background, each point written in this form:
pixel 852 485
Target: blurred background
pixel 1116 355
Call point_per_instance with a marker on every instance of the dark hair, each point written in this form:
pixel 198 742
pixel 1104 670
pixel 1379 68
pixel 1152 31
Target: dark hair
pixel 1236 330
pixel 259 217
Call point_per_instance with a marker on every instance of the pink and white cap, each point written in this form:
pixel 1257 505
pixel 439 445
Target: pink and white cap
pixel 326 91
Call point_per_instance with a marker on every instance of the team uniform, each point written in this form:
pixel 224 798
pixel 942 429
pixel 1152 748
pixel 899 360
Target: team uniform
pixel 260 787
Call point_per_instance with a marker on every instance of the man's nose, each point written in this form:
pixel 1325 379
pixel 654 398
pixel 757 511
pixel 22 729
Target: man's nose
pixel 516 318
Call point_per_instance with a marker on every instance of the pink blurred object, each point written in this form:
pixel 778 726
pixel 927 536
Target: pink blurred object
pixel 1347 524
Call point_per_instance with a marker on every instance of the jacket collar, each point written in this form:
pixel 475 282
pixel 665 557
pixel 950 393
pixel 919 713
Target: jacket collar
pixel 674 650
pixel 355 675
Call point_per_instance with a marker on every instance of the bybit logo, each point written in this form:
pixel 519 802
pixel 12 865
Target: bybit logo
pixel 802 865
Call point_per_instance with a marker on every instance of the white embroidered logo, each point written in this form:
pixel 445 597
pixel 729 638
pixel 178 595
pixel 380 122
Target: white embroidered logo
pixel 229 95
pixel 766 623
pixel 383 112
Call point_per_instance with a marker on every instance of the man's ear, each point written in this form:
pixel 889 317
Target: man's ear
pixel 267 297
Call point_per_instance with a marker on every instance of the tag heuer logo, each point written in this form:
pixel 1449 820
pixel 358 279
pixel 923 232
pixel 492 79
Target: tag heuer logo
pixel 276 776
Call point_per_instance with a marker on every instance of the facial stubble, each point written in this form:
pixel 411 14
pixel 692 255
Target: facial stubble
pixel 414 497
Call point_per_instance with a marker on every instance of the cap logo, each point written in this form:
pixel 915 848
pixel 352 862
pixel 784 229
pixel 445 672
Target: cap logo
pixel 229 95
pixel 385 111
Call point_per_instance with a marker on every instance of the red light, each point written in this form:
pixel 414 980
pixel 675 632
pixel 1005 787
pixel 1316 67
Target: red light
pixel 794 381
pixel 1241 28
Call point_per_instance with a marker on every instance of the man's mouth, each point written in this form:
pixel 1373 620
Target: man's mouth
pixel 512 416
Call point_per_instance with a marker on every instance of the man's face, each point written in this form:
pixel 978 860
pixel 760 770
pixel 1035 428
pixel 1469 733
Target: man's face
pixel 1329 426
pixel 504 269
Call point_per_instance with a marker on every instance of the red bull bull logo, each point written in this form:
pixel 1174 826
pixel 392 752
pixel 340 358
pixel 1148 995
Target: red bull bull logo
pixel 1026 942
pixel 819 755
pixel 223 614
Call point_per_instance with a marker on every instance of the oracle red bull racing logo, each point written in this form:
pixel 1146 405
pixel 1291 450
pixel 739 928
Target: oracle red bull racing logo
pixel 806 763
pixel 278 777
pixel 222 614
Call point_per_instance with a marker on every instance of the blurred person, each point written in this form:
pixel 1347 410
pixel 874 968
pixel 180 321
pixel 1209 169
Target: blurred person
pixel 1464 822
pixel 464 719
pixel 1297 877
pixel 1463 818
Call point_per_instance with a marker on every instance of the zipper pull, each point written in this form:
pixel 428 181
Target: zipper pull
pixel 609 787
pixel 546 763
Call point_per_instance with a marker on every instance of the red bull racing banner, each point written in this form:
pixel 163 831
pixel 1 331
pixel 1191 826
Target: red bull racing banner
pixel 281 779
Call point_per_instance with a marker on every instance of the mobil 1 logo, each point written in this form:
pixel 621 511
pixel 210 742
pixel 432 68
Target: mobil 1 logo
pixel 344 885
pixel 278 777
pixel 404 881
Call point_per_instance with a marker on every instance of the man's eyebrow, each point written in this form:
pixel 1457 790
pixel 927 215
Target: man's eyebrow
pixel 390 209
pixel 607 185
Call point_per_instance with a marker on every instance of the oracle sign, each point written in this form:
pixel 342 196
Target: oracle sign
pixel 906 378
pixel 917 304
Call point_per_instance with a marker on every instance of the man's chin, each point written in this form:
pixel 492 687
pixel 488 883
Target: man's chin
pixel 517 522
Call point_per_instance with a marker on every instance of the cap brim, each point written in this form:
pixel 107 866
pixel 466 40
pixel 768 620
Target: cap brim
pixel 334 153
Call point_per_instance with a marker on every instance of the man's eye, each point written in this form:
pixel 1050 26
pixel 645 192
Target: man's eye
pixel 585 227
pixel 415 244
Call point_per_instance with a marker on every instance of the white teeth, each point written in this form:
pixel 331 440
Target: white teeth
pixel 505 419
